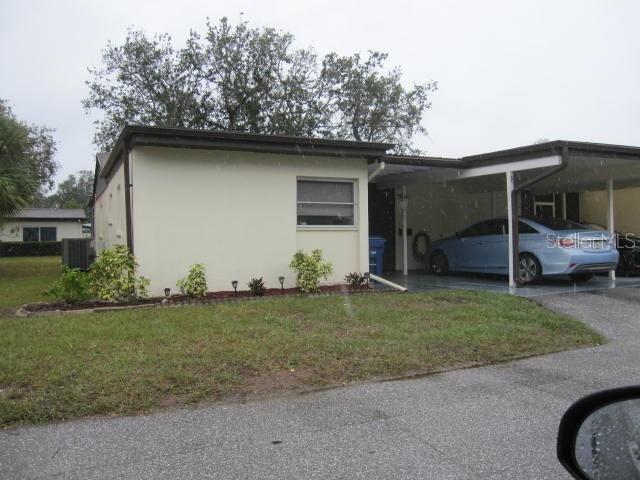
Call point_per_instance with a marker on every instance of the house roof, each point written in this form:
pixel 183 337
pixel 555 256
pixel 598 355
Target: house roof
pixel 50 214
pixel 133 135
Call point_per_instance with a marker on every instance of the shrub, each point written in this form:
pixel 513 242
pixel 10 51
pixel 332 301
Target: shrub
pixel 355 279
pixel 30 249
pixel 72 287
pixel 195 283
pixel 113 276
pixel 310 268
pixel 256 285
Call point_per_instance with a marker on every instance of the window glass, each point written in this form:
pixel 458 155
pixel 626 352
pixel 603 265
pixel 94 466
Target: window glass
pixel 323 203
pixel 545 211
pixel 526 228
pixel 479 229
pixel 48 234
pixel 522 228
pixel 30 234
pixel 335 192
pixel 558 224
pixel 500 227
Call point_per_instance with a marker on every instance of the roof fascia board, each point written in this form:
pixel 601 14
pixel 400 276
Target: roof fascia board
pixel 516 166
pixel 203 139
pixel 256 147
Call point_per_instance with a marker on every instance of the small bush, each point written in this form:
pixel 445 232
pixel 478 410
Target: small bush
pixel 72 287
pixel 30 249
pixel 310 268
pixel 195 283
pixel 256 285
pixel 355 279
pixel 113 276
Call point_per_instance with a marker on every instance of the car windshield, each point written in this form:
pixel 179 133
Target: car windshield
pixel 558 224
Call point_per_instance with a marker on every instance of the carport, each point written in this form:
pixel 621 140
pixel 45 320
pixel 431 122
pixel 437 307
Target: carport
pixel 502 183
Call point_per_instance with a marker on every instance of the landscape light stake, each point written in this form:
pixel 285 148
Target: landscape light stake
pixel 281 280
pixel 234 284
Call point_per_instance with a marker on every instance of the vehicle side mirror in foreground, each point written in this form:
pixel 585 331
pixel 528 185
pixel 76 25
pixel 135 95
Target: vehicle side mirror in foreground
pixel 599 436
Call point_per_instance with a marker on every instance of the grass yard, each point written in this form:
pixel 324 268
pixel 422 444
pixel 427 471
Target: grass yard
pixel 25 279
pixel 129 362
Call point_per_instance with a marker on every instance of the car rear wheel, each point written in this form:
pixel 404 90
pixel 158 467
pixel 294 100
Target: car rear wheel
pixel 581 277
pixel 439 263
pixel 530 270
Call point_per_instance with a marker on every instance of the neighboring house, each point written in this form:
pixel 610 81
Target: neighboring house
pixel 43 225
pixel 242 204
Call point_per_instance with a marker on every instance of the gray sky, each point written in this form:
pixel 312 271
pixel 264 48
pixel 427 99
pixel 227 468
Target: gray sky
pixel 509 72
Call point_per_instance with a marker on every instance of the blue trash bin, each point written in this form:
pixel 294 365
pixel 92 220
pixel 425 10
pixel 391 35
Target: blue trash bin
pixel 376 254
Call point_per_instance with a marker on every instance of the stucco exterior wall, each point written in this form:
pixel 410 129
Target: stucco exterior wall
pixel 626 204
pixel 440 211
pixel 11 231
pixel 235 212
pixel 110 214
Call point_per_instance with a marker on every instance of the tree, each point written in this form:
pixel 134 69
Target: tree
pixel 252 80
pixel 27 164
pixel 73 192
pixel 372 105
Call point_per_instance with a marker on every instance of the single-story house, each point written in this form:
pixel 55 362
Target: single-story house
pixel 242 204
pixel 43 225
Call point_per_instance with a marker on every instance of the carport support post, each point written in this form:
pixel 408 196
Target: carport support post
pixel 512 215
pixel 610 218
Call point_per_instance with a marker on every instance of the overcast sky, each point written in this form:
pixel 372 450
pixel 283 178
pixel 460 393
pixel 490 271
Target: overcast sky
pixel 509 72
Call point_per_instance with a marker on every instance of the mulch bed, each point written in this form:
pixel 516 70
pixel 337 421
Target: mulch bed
pixel 43 308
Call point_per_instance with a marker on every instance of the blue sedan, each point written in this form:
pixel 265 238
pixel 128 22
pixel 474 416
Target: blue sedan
pixel 548 247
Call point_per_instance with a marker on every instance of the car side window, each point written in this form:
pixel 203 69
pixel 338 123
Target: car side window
pixel 501 227
pixel 526 228
pixel 479 229
pixel 471 231
pixel 522 228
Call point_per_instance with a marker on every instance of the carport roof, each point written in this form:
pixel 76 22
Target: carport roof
pixel 587 166
pixel 519 153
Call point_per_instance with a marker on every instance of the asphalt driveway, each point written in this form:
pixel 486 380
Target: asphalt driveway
pixel 495 422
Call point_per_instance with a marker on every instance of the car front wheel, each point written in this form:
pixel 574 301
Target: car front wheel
pixel 530 269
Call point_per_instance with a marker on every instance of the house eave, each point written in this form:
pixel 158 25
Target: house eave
pixel 136 135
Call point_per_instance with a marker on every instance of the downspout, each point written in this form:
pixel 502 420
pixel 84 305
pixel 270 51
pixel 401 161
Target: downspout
pixel 377 171
pixel 564 161
pixel 127 194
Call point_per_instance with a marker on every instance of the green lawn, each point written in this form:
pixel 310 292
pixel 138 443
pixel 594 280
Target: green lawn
pixel 128 362
pixel 25 279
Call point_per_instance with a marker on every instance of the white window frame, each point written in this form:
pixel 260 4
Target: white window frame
pixel 544 204
pixel 354 184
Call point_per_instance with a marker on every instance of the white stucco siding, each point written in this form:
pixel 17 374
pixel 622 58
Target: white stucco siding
pixel 12 231
pixel 235 212
pixel 110 214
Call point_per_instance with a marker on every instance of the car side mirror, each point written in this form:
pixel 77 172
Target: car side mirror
pixel 599 436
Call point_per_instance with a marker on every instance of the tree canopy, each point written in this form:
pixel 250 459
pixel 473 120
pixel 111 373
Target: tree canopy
pixel 253 80
pixel 72 192
pixel 27 163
